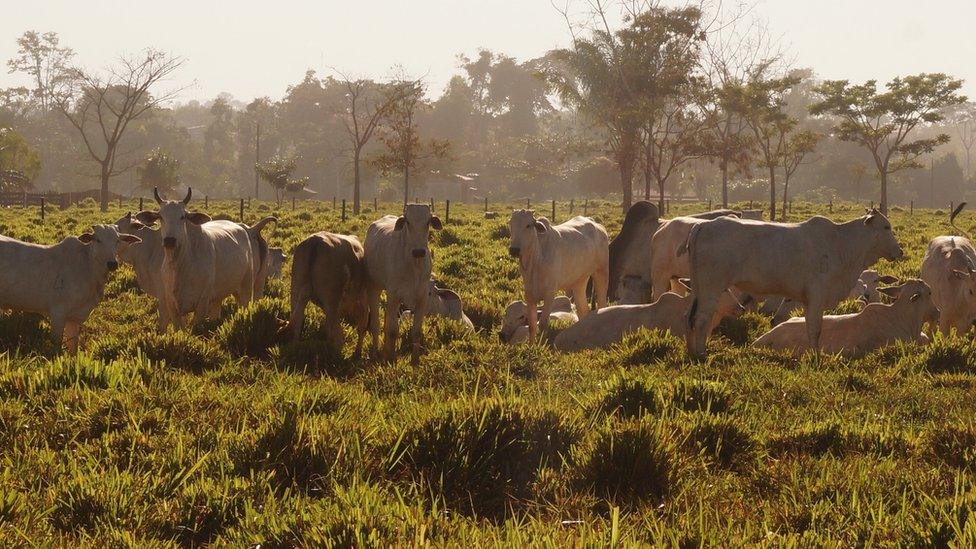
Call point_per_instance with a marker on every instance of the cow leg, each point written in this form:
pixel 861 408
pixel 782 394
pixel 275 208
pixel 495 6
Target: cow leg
pixel 703 311
pixel 532 318
pixel 417 332
pixel 814 318
pixel 57 322
pixel 601 281
pixel 391 324
pixel 333 329
pixel 361 328
pixel 579 298
pixel 296 319
pixel 72 332
pixel 373 298
pixel 546 311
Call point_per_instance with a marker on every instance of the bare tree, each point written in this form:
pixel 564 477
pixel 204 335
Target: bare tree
pixel 964 118
pixel 102 107
pixel 670 139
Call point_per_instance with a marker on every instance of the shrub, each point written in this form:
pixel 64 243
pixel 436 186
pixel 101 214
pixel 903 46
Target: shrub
pixel 500 232
pixel 182 351
pixel 705 396
pixel 648 347
pixel 954 445
pixel 723 440
pixel 629 397
pixel 252 330
pixel 628 463
pixel 945 355
pixel 447 237
pixel 744 329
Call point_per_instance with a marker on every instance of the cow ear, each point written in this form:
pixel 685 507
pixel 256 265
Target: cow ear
pixel 400 222
pixel 685 282
pixel 435 222
pixel 539 227
pixel 887 279
pixel 915 297
pixel 197 218
pixel 890 291
pixel 960 274
pixel 129 238
pixel 135 226
pixel 147 218
pixel 86 237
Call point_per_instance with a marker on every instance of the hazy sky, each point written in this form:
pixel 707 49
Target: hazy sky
pixel 251 48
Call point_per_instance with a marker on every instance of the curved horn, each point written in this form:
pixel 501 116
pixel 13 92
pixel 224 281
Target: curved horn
pixel 156 195
pixel 189 193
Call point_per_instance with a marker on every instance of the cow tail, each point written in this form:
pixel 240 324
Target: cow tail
pixel 690 247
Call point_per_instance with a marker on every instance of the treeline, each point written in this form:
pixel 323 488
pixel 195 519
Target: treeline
pixel 669 104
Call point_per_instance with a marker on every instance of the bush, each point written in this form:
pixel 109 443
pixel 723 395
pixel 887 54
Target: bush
pixel 945 355
pixel 954 445
pixel 483 458
pixel 629 397
pixel 648 347
pixel 628 463
pixel 253 330
pixel 500 232
pixel 723 440
pixel 744 329
pixel 705 396
pixel 485 316
pixel 448 237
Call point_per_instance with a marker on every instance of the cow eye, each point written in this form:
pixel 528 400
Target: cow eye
pixel 529 226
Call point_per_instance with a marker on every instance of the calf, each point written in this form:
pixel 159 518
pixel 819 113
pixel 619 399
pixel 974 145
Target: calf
pixel 330 271
pixel 609 325
pixel 559 257
pixel 815 263
pixel 398 261
pixel 873 327
pixel 63 281
pixel 446 303
pixel 204 261
pixel 866 287
pixel 515 323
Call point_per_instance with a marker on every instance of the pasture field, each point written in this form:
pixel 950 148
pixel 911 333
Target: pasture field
pixel 225 437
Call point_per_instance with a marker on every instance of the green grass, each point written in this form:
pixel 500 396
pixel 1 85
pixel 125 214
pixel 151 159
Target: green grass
pixel 228 436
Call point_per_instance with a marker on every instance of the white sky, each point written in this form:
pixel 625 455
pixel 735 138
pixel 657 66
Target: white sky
pixel 251 48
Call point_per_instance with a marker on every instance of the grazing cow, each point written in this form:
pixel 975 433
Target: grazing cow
pixel 559 257
pixel 330 271
pixel 515 323
pixel 873 327
pixel 815 263
pixel 629 250
pixel 398 260
pixel 666 265
pixel 276 260
pixel 609 325
pixel 261 257
pixel 204 261
pixel 63 281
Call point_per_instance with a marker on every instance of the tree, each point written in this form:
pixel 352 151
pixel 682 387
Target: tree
pixel 365 106
pixel 159 170
pixel 760 102
pixel 19 163
pixel 671 138
pixel 883 121
pixel 404 149
pixel 276 172
pixel 613 78
pixel 102 108
pixel 798 146
pixel 964 118
pixel 45 61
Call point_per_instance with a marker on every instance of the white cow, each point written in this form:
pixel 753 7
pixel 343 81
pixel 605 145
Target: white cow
pixel 260 254
pixel 445 303
pixel 559 257
pixel 398 261
pixel 815 263
pixel 949 268
pixel 610 324
pixel 146 258
pixel 515 323
pixel 873 327
pixel 205 261
pixel 866 287
pixel 666 264
pixel 63 281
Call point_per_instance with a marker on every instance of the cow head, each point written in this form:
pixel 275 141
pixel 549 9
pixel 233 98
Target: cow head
pixel 443 302
pixel 516 315
pixel 415 225
pixel 173 219
pixel 104 244
pixel 525 230
pixel 916 293
pixel 884 243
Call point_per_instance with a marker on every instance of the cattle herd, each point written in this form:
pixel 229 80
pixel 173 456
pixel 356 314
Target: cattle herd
pixel 683 275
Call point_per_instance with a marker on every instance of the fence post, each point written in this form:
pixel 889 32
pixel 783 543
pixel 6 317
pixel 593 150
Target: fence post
pixel 486 203
pixel 571 204
pixel 376 207
pixel 528 203
pixel 206 201
pixel 242 210
pixel 343 209
pixel 911 208
pixel 249 202
pixel 432 204
pixel 333 202
pixel 42 208
pixel 447 211
pixel 554 210
pixel 872 204
pixel 791 206
pixel 120 202
pixel 830 205
pixel 140 203
pixel 586 205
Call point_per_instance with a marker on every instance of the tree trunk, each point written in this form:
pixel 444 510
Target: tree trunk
pixel 725 184
pixel 104 193
pixel 786 192
pixel 625 163
pixel 355 182
pixel 884 193
pixel 406 185
pixel 660 200
pixel 772 193
pixel 648 158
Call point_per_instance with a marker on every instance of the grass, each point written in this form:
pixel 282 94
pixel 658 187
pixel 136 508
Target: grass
pixel 231 436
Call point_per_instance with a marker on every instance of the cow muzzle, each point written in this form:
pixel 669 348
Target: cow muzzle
pixel 112 265
pixel 419 253
pixel 169 242
pixel 514 252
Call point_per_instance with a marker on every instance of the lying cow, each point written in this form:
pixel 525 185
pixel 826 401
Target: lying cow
pixel 815 263
pixel 515 323
pixel 866 287
pixel 398 260
pixel 609 325
pixel 330 271
pixel 873 327
pixel 559 257
pixel 445 303
pixel 204 261
pixel 64 281
pixel 666 264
